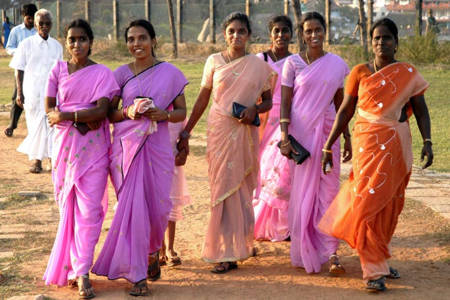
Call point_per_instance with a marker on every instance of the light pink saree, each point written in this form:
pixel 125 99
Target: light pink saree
pixel 232 155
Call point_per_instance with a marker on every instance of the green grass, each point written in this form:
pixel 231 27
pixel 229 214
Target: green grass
pixel 436 98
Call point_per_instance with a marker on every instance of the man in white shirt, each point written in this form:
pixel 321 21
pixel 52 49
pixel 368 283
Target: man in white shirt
pixel 17 35
pixel 33 61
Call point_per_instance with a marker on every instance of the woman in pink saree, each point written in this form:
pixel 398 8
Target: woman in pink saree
pixel 142 160
pixel 312 91
pixel 80 159
pixel 271 198
pixel 232 143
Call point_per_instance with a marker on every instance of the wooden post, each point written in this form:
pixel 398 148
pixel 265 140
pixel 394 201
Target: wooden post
pixel 327 21
pixel 369 19
pixel 172 29
pixel 87 10
pixel 362 29
pixel 115 20
pixel 247 8
pixel 148 11
pixel 212 21
pixel 298 15
pixel 3 15
pixel 179 21
pixel 286 7
pixel 418 17
pixel 14 16
pixel 39 4
pixel 58 18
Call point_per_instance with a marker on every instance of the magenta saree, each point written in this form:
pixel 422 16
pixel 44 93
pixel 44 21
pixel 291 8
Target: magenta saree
pixel 271 196
pixel 80 171
pixel 141 172
pixel 312 116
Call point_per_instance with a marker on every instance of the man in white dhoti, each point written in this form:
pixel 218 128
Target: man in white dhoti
pixel 32 62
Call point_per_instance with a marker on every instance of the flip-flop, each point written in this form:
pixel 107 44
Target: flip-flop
pixel 85 291
pixel 393 274
pixel 140 288
pixel 377 285
pixel 224 267
pixel 335 266
pixel 9 132
pixel 35 169
pixel 174 260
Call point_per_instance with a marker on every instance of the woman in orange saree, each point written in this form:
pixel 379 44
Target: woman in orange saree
pixel 232 143
pixel 366 210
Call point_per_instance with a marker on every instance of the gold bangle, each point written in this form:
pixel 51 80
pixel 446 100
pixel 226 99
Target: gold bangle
pixel 427 140
pixel 286 143
pixel 327 151
pixel 76 116
pixel 168 115
pixel 285 120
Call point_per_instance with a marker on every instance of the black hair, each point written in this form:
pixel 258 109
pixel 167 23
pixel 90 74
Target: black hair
pixel 313 15
pixel 389 24
pixel 237 16
pixel 28 10
pixel 280 19
pixel 83 24
pixel 142 23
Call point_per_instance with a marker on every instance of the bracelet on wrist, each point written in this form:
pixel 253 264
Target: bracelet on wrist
pixel 124 112
pixel 75 118
pixel 168 115
pixel 428 141
pixel 285 120
pixel 327 151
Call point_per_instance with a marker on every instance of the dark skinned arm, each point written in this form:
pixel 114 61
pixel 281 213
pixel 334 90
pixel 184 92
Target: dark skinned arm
pixel 347 154
pixel 178 113
pixel 420 110
pixel 20 99
pixel 285 113
pixel 343 117
pixel 249 114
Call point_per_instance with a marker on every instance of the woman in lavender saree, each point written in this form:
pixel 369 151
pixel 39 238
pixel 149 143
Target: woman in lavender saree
pixel 232 143
pixel 312 91
pixel 80 157
pixel 142 159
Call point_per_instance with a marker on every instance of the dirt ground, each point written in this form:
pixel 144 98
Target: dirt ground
pixel 420 248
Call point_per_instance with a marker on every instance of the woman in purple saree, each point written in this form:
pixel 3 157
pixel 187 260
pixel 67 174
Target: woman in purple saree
pixel 80 159
pixel 142 160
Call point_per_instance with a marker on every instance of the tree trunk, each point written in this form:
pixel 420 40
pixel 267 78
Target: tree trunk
pixel 419 17
pixel 298 15
pixel 327 21
pixel 212 21
pixel 369 19
pixel 172 29
pixel 362 29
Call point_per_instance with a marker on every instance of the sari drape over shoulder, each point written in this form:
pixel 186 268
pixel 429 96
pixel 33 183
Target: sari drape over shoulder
pixel 366 210
pixel 232 155
pixel 312 116
pixel 271 196
pixel 141 172
pixel 80 170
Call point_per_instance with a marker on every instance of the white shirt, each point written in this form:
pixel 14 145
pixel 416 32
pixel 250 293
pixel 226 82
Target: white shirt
pixel 17 35
pixel 36 57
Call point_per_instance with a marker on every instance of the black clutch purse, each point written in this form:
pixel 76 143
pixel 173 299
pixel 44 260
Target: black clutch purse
pixel 239 108
pixel 302 155
pixel 82 128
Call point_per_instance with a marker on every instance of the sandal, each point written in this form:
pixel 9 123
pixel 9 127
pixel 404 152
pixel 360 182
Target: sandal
pixel 163 260
pixel 377 285
pixel 9 132
pixel 85 290
pixel 140 288
pixel 36 168
pixel 174 260
pixel 393 274
pixel 335 266
pixel 153 270
pixel 224 267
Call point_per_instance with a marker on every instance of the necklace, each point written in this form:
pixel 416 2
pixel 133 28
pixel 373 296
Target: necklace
pixel 74 66
pixel 307 58
pixel 274 55
pixel 229 61
pixel 375 66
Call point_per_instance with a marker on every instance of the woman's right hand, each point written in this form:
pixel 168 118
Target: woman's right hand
pixel 327 162
pixel 286 148
pixel 131 113
pixel 180 158
pixel 183 145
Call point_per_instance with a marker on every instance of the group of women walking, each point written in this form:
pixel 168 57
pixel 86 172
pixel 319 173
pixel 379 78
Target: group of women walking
pixel 257 191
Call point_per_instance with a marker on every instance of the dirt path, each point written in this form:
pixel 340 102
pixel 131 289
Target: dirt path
pixel 420 246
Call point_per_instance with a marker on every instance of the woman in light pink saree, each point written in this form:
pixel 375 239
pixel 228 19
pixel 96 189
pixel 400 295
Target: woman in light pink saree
pixel 271 197
pixel 312 90
pixel 78 91
pixel 142 160
pixel 232 143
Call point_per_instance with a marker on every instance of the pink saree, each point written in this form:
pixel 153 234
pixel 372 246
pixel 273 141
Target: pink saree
pixel 141 172
pixel 80 171
pixel 271 197
pixel 232 152
pixel 312 116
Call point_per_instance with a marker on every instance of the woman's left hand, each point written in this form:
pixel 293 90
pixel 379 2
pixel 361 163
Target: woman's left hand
pixel 428 153
pixel 347 155
pixel 54 117
pixel 248 115
pixel 156 114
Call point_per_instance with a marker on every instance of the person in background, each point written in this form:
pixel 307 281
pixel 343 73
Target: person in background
pixel 142 160
pixel 17 35
pixel 311 92
pixel 432 24
pixel 7 26
pixel 232 142
pixel 78 96
pixel 271 197
pixel 32 62
pixel 366 210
